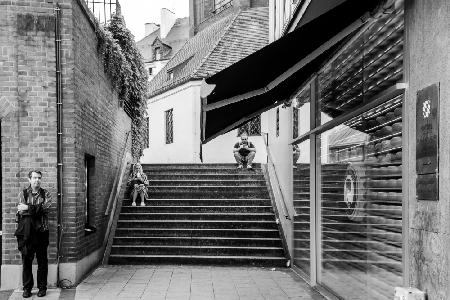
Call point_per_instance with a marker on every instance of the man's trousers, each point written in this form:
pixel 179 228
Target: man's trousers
pixel 39 248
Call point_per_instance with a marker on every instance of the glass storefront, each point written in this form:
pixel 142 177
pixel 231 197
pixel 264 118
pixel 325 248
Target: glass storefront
pixel 356 189
pixel 361 204
pixel 301 195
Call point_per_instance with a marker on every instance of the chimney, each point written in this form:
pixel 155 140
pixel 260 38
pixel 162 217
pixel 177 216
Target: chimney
pixel 167 20
pixel 150 27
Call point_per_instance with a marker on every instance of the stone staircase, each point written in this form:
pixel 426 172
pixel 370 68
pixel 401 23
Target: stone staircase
pixel 200 214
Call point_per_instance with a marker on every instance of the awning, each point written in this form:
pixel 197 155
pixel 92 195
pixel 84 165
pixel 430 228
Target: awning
pixel 273 74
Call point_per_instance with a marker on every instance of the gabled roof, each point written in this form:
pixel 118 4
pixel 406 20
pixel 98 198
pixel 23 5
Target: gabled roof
pixel 175 39
pixel 178 34
pixel 145 45
pixel 221 44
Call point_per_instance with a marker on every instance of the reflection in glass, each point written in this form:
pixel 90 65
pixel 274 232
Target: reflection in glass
pixel 368 65
pixel 361 204
pixel 301 113
pixel 301 166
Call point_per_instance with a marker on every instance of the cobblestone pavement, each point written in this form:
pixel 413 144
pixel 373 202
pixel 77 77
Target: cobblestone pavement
pixel 193 282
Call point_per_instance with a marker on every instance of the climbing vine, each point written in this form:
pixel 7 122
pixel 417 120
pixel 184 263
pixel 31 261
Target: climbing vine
pixel 125 68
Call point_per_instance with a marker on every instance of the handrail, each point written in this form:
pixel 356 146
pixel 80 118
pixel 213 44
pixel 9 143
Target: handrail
pixel 120 164
pixel 270 160
pixel 114 196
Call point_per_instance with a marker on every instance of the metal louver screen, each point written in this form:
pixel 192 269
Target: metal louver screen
pixel 372 62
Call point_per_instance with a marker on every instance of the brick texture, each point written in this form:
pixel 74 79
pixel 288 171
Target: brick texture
pixel 93 122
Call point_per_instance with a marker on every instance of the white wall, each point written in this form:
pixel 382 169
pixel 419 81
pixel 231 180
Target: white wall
pixel 185 102
pixel 281 154
pixel 220 149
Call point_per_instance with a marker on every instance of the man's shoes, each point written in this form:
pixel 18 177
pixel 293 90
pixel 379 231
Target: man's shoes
pixel 42 293
pixel 26 294
pixel 240 166
pixel 142 203
pixel 133 204
pixel 249 166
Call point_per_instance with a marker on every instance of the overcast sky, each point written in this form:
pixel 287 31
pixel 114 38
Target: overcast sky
pixel 139 12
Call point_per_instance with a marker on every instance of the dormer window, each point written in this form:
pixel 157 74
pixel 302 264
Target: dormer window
pixel 170 75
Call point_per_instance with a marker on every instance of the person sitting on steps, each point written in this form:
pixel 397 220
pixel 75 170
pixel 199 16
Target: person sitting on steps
pixel 244 152
pixel 139 182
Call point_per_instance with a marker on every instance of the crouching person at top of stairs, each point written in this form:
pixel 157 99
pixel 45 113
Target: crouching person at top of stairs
pixel 139 183
pixel 244 152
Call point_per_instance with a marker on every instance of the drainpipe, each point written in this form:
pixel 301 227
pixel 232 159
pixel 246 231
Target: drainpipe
pixel 59 151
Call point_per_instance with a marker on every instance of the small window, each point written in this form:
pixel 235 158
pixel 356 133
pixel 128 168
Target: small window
pixel 294 122
pixel 170 75
pixel 252 127
pixel 169 126
pixel 157 53
pixel 147 130
pixel 277 128
pixel 89 199
pixel 150 71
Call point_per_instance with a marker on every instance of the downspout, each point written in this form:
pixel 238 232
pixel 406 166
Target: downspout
pixel 59 149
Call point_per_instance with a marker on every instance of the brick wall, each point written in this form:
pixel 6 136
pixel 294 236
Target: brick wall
pixel 27 80
pixel 93 123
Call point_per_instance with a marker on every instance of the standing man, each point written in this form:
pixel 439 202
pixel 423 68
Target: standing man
pixel 244 152
pixel 32 232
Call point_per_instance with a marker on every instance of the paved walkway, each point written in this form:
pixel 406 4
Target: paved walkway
pixel 185 283
pixel 193 282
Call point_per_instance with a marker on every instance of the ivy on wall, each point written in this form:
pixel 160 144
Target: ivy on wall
pixel 125 68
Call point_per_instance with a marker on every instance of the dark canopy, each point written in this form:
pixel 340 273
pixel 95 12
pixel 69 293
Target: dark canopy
pixel 260 81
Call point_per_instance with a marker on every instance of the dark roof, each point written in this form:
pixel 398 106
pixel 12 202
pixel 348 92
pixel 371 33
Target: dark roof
pixel 175 39
pixel 178 35
pixel 218 46
pixel 145 45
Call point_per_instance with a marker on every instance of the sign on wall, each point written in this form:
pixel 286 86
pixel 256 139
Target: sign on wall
pixel 427 143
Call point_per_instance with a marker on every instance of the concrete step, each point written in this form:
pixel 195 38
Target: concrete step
pixel 197 216
pixel 195 201
pixel 266 261
pixel 194 166
pixel 200 213
pixel 189 182
pixel 196 250
pixel 198 232
pixel 197 224
pixel 206 192
pixel 230 171
pixel 205 176
pixel 173 209
pixel 198 241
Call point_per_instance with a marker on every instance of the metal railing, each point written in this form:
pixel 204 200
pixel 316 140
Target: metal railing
pixel 284 206
pixel 103 9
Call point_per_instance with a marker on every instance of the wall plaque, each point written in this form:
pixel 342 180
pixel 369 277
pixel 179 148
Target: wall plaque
pixel 427 143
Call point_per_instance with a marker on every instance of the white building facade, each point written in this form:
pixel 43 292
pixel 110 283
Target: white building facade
pixel 174 106
pixel 174 131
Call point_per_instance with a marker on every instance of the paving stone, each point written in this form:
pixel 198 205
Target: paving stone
pixel 193 283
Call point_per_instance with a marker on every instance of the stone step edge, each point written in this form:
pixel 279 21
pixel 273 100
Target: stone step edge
pixel 201 199
pixel 197 206
pixel 198 238
pixel 196 247
pixel 196 214
pixel 201 256
pixel 197 229
pixel 198 221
